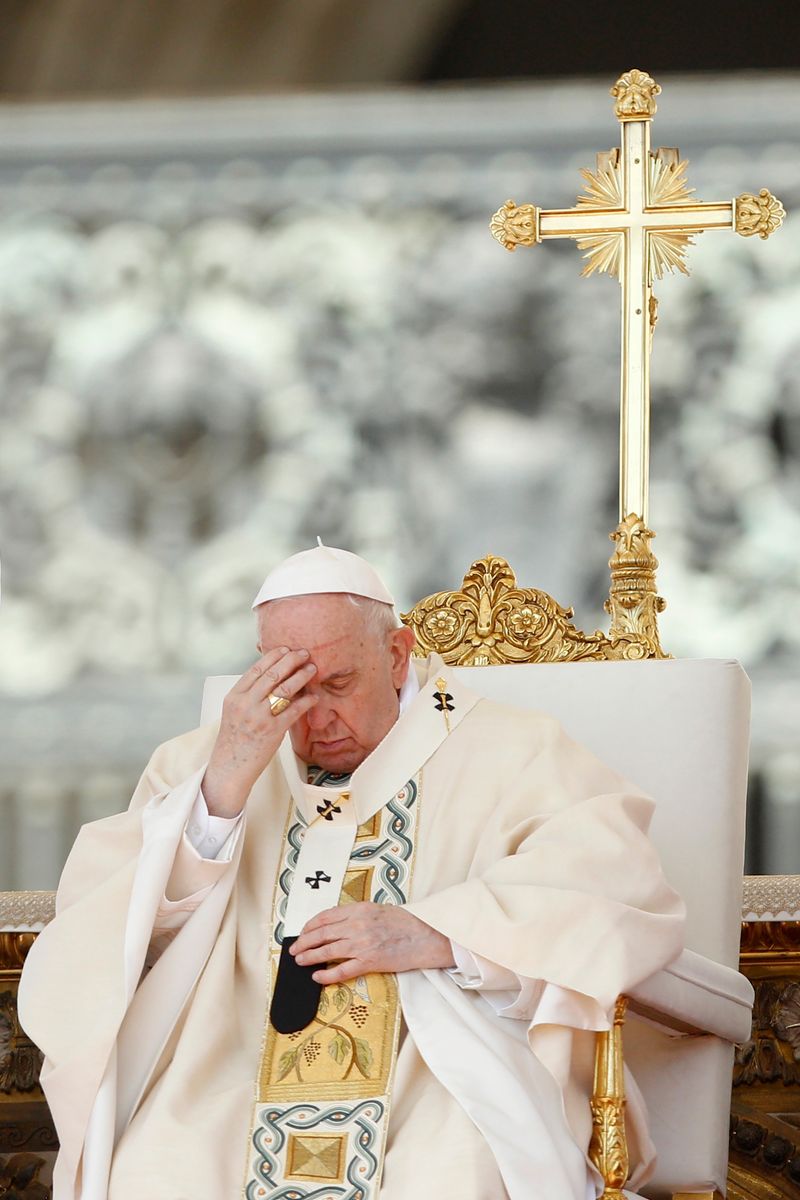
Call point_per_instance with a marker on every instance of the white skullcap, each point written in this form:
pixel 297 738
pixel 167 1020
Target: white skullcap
pixel 323 569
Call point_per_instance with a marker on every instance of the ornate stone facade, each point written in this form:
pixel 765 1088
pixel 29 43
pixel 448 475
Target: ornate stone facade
pixel 230 326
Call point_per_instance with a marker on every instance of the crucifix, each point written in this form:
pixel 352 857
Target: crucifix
pixel 635 221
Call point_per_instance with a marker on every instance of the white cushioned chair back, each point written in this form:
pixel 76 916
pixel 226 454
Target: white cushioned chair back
pixel 679 729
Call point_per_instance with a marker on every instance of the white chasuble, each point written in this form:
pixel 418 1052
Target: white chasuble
pixel 323 1092
pixel 161 1073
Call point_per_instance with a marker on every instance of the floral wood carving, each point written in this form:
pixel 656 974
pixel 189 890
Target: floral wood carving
pixel 20 1061
pixel 19 1178
pixel 764 1149
pixel 786 1021
pixel 492 620
pixel 773 1052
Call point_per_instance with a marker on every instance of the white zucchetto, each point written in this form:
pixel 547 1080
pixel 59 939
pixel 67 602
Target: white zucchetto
pixel 323 569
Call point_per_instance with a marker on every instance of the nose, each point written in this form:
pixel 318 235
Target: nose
pixel 319 717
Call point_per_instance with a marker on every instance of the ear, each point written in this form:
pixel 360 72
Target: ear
pixel 401 643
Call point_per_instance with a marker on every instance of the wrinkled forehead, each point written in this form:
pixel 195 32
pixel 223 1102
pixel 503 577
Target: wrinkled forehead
pixel 323 622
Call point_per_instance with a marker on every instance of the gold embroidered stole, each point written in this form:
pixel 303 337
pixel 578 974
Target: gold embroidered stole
pixel 323 1093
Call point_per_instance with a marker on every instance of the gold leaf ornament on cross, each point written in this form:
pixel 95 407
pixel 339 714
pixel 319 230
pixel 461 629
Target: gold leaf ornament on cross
pixel 635 221
pixel 516 225
pixel 635 94
pixel 761 214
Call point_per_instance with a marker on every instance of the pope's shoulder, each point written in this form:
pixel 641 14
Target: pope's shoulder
pixel 507 723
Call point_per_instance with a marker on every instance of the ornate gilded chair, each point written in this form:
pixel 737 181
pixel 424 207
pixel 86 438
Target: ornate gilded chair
pixel 679 729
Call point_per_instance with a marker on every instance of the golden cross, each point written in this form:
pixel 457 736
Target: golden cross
pixel 635 221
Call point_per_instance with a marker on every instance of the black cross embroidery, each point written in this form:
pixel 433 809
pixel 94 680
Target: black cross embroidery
pixel 327 810
pixel 316 879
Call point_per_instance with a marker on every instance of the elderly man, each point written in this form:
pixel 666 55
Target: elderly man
pixel 350 941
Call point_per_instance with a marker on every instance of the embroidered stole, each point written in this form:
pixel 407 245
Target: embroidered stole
pixel 323 1092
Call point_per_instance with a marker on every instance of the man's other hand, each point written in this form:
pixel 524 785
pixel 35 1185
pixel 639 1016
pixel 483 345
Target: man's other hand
pixel 369 937
pixel 249 731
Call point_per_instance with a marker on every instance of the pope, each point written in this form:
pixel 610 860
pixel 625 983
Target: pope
pixel 352 940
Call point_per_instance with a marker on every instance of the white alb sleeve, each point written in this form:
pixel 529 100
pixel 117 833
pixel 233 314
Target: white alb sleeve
pixel 210 836
pixel 512 995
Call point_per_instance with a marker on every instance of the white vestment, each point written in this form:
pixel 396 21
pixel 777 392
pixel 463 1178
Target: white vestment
pixel 532 857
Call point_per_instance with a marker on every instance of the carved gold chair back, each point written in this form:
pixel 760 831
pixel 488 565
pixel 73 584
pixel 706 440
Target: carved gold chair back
pixel 490 619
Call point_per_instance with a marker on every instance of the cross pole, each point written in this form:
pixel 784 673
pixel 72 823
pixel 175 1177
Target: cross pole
pixel 635 221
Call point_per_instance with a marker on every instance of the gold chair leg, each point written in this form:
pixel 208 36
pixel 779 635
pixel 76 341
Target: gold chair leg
pixel 608 1148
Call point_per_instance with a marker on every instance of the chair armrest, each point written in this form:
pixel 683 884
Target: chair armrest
pixel 694 995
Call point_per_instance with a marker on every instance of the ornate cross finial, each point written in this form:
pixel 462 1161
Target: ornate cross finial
pixel 635 94
pixel 761 214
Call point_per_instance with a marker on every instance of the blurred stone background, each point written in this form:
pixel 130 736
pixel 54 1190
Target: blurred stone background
pixel 233 322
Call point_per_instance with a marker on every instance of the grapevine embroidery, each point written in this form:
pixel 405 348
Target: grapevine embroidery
pixel 346 1002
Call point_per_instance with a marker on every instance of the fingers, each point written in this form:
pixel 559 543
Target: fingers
pixel 319 932
pixel 324 954
pixel 259 667
pixel 280 672
pixel 296 709
pixel 330 935
pixel 286 678
pixel 276 668
pixel 328 916
pixel 351 969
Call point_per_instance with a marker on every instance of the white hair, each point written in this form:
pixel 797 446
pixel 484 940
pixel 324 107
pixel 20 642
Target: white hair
pixel 379 618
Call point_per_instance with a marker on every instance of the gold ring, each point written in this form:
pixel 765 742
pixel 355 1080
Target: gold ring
pixel 277 704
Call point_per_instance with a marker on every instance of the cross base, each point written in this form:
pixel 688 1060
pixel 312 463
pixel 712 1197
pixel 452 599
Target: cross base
pixel 633 602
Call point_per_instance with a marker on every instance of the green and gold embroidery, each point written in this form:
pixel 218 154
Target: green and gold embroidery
pixel 323 1093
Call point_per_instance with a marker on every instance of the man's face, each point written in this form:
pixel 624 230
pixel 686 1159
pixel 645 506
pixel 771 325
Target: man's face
pixel 359 674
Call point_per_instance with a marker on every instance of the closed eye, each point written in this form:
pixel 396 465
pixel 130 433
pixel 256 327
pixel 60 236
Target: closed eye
pixel 338 683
